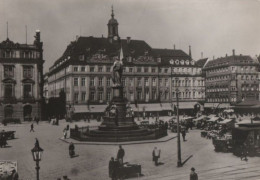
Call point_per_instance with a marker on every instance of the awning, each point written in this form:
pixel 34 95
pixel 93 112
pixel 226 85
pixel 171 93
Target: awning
pixel 90 109
pixel 214 119
pixel 187 118
pixel 226 121
pixel 199 118
pixel 167 106
pixel 229 110
pixel 216 105
pixel 186 105
pixel 147 107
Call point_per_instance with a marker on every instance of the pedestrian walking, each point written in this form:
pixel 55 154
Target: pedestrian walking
pixel 71 150
pixel 65 133
pixel 193 174
pixel 183 133
pixel 156 155
pixel 111 169
pixel 32 128
pixel 120 155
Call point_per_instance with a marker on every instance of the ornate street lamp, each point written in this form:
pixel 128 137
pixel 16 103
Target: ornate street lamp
pixel 179 163
pixel 37 155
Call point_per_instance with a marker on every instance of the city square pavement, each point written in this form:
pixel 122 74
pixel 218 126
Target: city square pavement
pixel 92 162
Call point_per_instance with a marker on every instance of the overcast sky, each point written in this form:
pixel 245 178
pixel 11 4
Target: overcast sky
pixel 213 27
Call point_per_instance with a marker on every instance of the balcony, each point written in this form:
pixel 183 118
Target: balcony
pixel 9 100
pixel 28 99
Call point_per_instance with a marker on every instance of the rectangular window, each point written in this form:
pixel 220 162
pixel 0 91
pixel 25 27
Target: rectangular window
pixel 154 82
pixel 123 81
pixel 76 83
pixel 92 69
pixel 100 81
pixel 108 96
pixel 82 69
pixel 131 82
pixel 160 82
pixel 8 90
pixel 154 94
pixel 83 96
pixel 8 71
pixel 146 82
pixel 130 70
pixel 165 70
pixel 76 96
pixel 27 90
pixel 27 71
pixel 108 81
pixel 131 96
pixel 160 70
pixel 139 83
pixel 139 69
pixel 166 82
pixel 92 81
pixel 100 69
pixel 108 68
pixel 146 69
pixel 75 69
pixel 92 95
pixel 83 81
pixel 139 95
pixel 100 96
pixel 153 70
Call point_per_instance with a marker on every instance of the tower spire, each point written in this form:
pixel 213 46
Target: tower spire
pixel 112 14
pixel 189 50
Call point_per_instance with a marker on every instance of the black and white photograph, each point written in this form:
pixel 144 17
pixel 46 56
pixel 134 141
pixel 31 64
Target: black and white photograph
pixel 129 89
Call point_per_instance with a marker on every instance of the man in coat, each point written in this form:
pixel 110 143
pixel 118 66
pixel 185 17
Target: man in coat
pixel 183 133
pixel 156 155
pixel 120 154
pixel 193 174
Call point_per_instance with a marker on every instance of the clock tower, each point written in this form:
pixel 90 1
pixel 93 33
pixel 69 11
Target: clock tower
pixel 112 28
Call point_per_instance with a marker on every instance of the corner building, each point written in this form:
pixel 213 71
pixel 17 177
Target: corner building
pixel 21 83
pixel 231 80
pixel 84 71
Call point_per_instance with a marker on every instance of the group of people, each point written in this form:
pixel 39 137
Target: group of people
pixel 115 164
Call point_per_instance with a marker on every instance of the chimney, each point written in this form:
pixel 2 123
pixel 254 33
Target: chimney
pixel 213 57
pixel 128 40
pixel 174 46
pixel 201 55
pixel 233 52
pixel 226 55
pixel 77 37
pixel 190 51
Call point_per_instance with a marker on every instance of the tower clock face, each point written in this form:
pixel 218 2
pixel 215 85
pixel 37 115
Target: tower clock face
pixel 115 38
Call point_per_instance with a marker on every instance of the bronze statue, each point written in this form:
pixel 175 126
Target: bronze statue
pixel 117 72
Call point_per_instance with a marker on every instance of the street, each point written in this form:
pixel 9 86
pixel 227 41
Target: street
pixel 92 162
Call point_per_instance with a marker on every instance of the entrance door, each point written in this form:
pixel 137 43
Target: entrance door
pixel 27 113
pixel 8 111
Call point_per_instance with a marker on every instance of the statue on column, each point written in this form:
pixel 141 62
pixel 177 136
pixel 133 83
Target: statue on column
pixel 118 69
pixel 117 72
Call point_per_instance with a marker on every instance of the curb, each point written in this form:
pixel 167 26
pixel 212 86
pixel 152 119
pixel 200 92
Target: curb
pixel 119 143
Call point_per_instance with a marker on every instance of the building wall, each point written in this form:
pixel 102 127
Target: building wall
pixel 150 79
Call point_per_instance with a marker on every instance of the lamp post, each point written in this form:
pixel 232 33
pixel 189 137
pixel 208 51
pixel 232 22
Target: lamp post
pixel 179 163
pixel 37 155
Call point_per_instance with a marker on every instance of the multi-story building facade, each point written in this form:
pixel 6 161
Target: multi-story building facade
pixel 232 79
pixel 84 71
pixel 21 79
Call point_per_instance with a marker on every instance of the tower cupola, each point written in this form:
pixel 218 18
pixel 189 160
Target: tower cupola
pixel 113 28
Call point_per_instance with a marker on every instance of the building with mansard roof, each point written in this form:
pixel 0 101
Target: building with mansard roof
pixel 21 79
pixel 84 71
pixel 231 79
